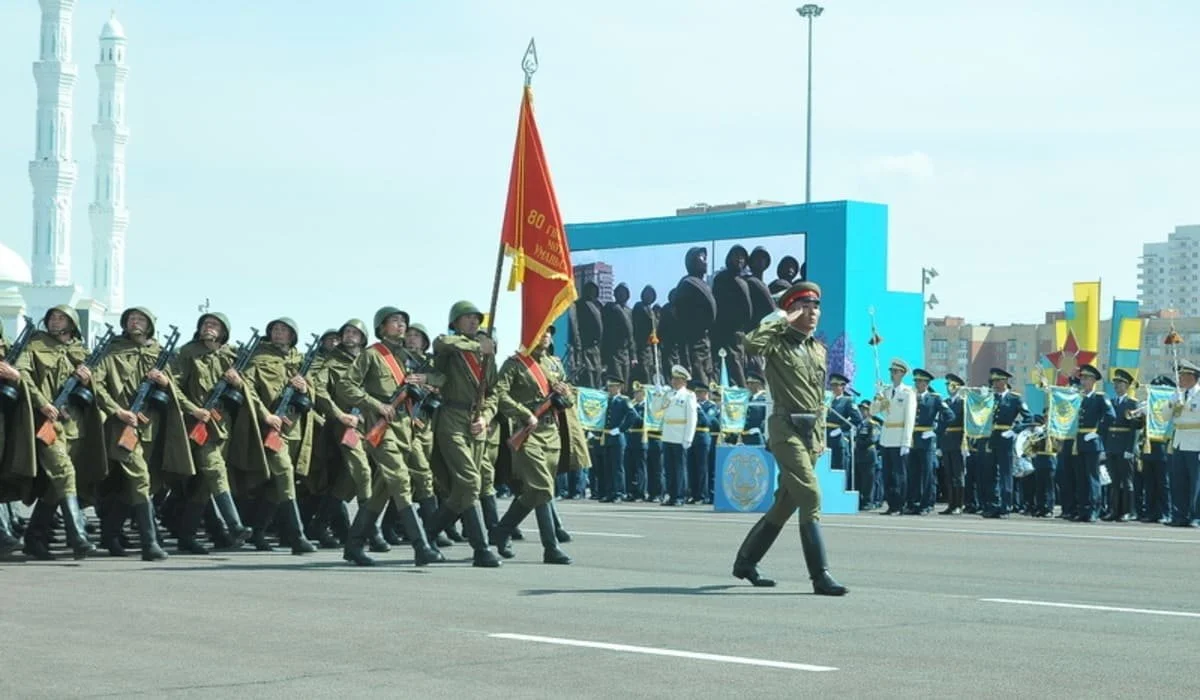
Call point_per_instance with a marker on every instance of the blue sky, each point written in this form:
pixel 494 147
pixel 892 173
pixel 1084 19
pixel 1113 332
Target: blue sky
pixel 293 157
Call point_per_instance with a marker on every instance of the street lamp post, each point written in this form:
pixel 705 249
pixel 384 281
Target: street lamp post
pixel 927 275
pixel 809 12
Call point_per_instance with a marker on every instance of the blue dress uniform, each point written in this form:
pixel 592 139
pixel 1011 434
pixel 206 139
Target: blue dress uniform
pixel 708 426
pixel 838 431
pixel 1009 417
pixel 1095 416
pixel 932 417
pixel 617 420
pixel 756 411
pixel 866 438
pixel 1120 447
pixel 1155 506
pixel 635 450
pixel 951 445
pixel 1045 463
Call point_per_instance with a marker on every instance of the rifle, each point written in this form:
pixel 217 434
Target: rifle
pixel 555 400
pixel 375 434
pixel 74 387
pixel 222 391
pixel 10 391
pixel 147 391
pixel 274 439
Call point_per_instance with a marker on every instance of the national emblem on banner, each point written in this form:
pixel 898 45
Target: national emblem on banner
pixel 979 410
pixel 1159 417
pixel 1062 418
pixel 733 410
pixel 655 407
pixel 593 406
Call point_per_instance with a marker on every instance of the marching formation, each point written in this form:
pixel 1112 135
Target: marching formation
pixel 258 438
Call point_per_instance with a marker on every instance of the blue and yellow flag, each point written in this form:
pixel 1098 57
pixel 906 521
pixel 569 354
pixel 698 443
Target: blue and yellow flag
pixel 1159 418
pixel 655 408
pixel 734 401
pixel 1062 419
pixel 1125 339
pixel 592 405
pixel 979 410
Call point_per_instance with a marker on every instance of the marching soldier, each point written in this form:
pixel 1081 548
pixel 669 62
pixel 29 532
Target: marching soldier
pixel 198 367
pixel 319 509
pixel 1185 459
pixel 678 407
pixel 929 423
pixel 417 343
pixel 953 465
pixel 76 451
pixel 1095 417
pixel 1011 415
pixel 160 441
pixel 530 392
pixel 795 365
pixel 373 384
pixel 18 464
pixel 467 361
pixel 899 408
pixel 1120 445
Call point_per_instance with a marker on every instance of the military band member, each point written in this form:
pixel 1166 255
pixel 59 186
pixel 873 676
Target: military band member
pixel 1044 466
pixel 618 419
pixel 930 422
pixel 526 386
pixel 1185 445
pixel 78 451
pixel 843 422
pixel 678 407
pixel 635 446
pixel 756 409
pixel 951 444
pixel 1010 416
pixel 898 405
pixel 795 365
pixel 467 361
pixel 1066 477
pixel 1120 446
pixel 866 441
pixel 708 430
pixel 1096 415
pixel 1156 479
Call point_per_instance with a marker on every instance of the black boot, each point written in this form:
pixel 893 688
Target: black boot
pixel 185 538
pixel 452 532
pixel 295 532
pixel 75 526
pixel 428 509
pixel 318 525
pixel 8 541
pixel 112 524
pixel 472 519
pixel 37 531
pixel 559 532
pixel 238 532
pixel 500 536
pixel 753 549
pixel 339 518
pixel 414 530
pixel 814 557
pixel 143 514
pixel 491 515
pixel 377 544
pixel 551 554
pixel 390 526
pixel 356 538
pixel 264 513
pixel 214 527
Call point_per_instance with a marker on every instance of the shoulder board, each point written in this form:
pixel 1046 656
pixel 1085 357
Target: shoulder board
pixel 1015 394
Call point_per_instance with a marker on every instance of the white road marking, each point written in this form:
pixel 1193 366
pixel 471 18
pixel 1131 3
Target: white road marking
pixel 1101 608
pixel 653 651
pixel 607 534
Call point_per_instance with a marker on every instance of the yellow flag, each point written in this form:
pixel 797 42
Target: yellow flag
pixel 1130 336
pixel 1087 316
pixel 1060 334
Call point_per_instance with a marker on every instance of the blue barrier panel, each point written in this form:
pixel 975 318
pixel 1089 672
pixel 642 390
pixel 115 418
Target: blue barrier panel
pixel 748 475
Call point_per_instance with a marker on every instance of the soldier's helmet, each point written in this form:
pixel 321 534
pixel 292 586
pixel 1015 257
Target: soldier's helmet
pixel 356 324
pixel 69 313
pixel 291 327
pixel 383 314
pixel 424 333
pixel 463 308
pixel 221 318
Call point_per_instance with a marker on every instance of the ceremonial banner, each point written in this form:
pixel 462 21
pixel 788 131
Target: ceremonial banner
pixel 979 409
pixel 655 408
pixel 1062 418
pixel 1159 418
pixel 592 405
pixel 1086 324
pixel 734 401
pixel 533 236
pixel 1125 342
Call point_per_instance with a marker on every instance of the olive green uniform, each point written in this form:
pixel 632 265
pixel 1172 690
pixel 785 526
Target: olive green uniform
pixel 461 452
pixel 197 369
pixel 420 429
pixel 18 449
pixel 270 369
pixel 518 395
pixel 334 405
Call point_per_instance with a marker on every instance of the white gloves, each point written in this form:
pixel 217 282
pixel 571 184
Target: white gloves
pixel 836 432
pixel 1008 435
pixel 754 431
pixel 1128 455
pixel 903 451
pixel 615 431
pixel 928 435
pixel 939 453
pixel 1091 436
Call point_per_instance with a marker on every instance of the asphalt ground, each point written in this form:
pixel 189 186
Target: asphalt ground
pixel 937 606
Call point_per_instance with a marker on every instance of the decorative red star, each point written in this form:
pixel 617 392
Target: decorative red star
pixel 1068 360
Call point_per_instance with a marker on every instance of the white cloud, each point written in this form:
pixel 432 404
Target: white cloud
pixel 916 165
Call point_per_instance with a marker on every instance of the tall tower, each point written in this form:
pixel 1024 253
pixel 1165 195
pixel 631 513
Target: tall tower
pixel 52 171
pixel 107 214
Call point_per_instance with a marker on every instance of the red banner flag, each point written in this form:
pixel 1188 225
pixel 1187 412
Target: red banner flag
pixel 533 235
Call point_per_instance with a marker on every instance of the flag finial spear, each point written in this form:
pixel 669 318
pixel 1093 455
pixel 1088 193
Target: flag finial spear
pixel 529 63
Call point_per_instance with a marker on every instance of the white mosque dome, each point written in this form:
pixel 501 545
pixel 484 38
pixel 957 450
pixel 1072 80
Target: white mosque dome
pixel 13 267
pixel 112 29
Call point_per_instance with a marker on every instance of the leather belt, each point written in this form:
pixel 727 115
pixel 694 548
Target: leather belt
pixel 954 429
pixel 460 405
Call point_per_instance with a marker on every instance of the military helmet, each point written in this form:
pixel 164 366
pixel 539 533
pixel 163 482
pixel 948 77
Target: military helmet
pixel 221 318
pixel 421 329
pixel 382 315
pixel 67 311
pixel 356 324
pixel 463 308
pixel 328 332
pixel 291 326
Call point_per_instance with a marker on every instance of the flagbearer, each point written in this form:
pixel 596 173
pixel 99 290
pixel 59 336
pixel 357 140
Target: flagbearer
pixel 1185 459
pixel 953 465
pixel 1095 416
pixel 1156 483
pixel 1011 415
pixel 1120 446
pixel 898 405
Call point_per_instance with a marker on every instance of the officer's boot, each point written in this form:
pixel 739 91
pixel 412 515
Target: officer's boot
pixel 551 554
pixel 112 523
pixel 428 508
pixel 37 531
pixel 375 540
pixel 472 519
pixel 491 515
pixel 559 532
pixel 356 538
pixel 186 543
pixel 238 532
pixel 143 515
pixel 320 524
pixel 390 526
pixel 753 549
pixel 8 540
pixel 452 532
pixel 75 526
pixel 214 527
pixel 501 536
pixel 264 513
pixel 339 518
pixel 414 531
pixel 291 524
pixel 814 557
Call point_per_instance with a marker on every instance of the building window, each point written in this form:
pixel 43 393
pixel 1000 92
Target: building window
pixel 939 348
pixel 1012 349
